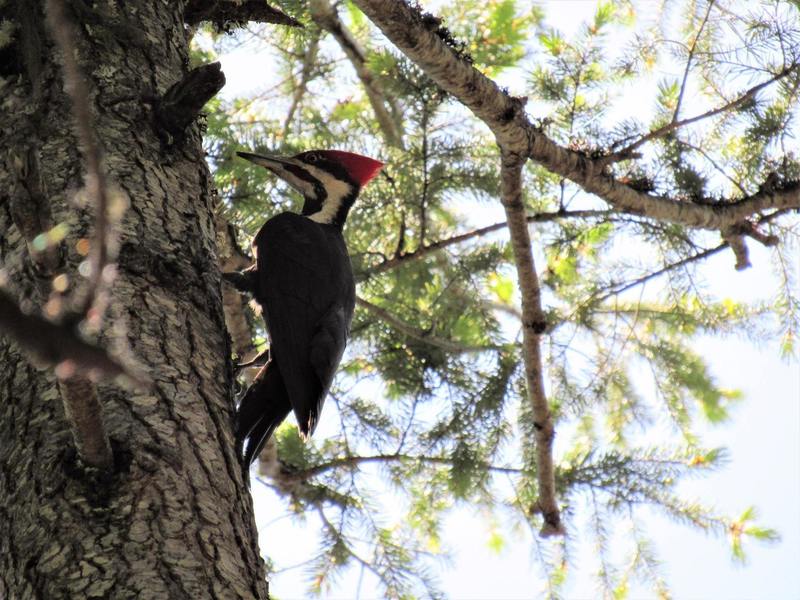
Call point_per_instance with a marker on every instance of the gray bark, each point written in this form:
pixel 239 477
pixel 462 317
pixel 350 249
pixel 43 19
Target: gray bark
pixel 173 520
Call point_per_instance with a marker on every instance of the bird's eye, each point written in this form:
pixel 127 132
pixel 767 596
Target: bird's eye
pixel 312 157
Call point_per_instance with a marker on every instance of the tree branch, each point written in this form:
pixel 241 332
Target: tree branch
pixel 84 413
pixel 326 17
pixel 394 262
pixel 56 344
pixel 354 461
pixel 221 12
pixel 183 101
pixel 419 334
pixel 534 324
pixel 416 36
pixel 673 125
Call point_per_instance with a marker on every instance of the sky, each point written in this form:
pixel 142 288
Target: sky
pixel 763 440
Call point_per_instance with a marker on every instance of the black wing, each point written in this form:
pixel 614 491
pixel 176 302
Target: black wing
pixel 307 291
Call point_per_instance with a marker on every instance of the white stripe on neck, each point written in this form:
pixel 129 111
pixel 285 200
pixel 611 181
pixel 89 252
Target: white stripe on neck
pixel 337 191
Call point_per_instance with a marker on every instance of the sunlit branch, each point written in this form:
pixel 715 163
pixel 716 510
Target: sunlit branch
pixel 673 125
pixel 689 59
pixel 534 323
pixel 416 36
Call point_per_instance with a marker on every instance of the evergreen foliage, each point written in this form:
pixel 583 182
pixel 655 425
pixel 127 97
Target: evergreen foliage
pixel 429 406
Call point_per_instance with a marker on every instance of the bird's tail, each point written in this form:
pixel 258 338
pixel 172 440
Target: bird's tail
pixel 264 406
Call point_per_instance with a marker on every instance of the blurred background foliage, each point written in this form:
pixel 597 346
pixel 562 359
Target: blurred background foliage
pixel 429 408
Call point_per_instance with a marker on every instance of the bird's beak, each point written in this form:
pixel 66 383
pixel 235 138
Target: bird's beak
pixel 276 164
pixel 288 169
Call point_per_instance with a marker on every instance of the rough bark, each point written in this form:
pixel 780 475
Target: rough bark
pixel 173 520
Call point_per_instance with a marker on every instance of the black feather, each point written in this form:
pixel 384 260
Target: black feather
pixel 306 289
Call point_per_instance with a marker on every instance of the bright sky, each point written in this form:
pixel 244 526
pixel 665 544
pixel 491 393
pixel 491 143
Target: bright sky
pixel 764 470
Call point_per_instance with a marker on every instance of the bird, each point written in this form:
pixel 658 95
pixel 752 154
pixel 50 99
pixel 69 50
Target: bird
pixel 303 281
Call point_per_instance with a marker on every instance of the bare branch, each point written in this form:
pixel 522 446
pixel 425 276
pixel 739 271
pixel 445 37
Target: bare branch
pixel 221 12
pixel 82 408
pixel 645 278
pixel 419 334
pixel 416 36
pixel 534 324
pixel 326 17
pixel 740 251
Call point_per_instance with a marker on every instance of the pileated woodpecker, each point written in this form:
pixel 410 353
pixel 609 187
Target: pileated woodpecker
pixel 304 283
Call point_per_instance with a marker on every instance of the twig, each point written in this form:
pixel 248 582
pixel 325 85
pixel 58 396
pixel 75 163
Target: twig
pixel 670 267
pixel 309 58
pixel 419 334
pixel 534 324
pixel 354 461
pixel 56 344
pixel 689 61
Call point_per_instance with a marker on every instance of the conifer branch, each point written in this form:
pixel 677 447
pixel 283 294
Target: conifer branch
pixel 420 37
pixel 355 461
pixel 309 60
pixel 420 334
pixel 534 323
pixel 747 96
pixel 388 264
pixel 327 18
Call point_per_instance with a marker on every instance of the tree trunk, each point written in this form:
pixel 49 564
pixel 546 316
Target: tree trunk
pixel 174 520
